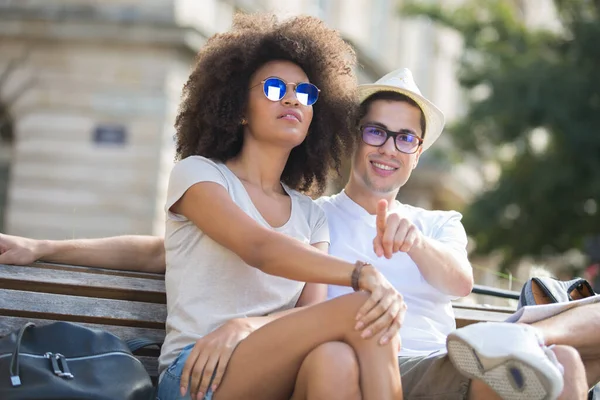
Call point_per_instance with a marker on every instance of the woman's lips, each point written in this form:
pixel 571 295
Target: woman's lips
pixel 291 115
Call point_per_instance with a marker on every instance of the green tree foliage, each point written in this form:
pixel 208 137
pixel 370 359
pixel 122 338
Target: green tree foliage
pixel 524 85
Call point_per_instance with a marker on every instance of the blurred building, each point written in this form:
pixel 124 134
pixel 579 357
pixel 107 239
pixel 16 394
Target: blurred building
pixel 89 90
pixel 92 128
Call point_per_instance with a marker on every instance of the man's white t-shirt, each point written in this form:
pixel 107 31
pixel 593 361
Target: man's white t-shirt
pixel 429 318
pixel 207 284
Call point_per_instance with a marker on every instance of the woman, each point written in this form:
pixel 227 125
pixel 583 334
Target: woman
pixel 241 239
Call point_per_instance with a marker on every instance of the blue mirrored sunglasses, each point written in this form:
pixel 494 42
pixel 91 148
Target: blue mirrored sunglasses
pixel 275 89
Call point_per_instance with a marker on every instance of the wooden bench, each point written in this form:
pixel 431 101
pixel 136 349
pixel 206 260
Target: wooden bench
pixel 128 304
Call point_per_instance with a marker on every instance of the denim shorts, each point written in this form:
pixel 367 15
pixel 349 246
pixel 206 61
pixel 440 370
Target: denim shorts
pixel 168 386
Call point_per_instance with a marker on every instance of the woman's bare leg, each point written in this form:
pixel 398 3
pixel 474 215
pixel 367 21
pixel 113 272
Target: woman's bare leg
pixel 329 372
pixel 265 365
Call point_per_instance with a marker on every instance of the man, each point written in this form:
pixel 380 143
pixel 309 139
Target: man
pixel 421 252
pixel 425 258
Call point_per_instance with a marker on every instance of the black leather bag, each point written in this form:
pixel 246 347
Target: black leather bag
pixel 68 361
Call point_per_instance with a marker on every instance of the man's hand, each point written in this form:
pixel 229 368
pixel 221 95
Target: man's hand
pixel 17 250
pixel 210 355
pixel 394 233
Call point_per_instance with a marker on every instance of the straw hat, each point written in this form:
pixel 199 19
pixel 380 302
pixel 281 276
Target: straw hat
pixel 401 81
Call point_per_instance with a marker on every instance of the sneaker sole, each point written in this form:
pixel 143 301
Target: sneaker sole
pixel 513 379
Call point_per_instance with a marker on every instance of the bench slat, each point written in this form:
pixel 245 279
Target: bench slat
pixel 466 317
pixel 151 365
pixel 484 307
pixel 10 324
pixel 82 284
pixel 82 309
pixel 98 270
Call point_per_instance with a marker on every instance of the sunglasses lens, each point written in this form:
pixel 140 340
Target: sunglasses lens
pixel 407 143
pixel 373 136
pixel 274 89
pixel 307 93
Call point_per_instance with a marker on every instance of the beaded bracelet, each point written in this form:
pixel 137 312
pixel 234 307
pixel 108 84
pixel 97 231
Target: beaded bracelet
pixel 358 266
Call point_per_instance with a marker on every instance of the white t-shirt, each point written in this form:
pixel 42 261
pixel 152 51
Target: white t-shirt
pixel 429 318
pixel 208 284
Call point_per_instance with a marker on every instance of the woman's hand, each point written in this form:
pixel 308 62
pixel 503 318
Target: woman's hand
pixel 211 355
pixel 383 313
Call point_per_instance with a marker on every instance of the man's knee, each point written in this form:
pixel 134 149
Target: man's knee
pixel 334 371
pixel 575 381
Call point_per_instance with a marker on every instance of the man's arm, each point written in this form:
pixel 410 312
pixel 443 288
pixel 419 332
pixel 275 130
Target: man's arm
pixel 443 266
pixel 138 253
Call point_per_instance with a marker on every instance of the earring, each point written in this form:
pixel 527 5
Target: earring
pixel 244 121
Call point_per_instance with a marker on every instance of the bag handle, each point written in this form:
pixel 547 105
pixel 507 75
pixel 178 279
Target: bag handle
pixel 580 289
pixel 15 380
pixel 139 343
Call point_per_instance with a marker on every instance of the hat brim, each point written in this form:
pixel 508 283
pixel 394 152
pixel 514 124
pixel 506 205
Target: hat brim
pixel 434 118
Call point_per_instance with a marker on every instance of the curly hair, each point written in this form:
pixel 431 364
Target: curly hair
pixel 216 93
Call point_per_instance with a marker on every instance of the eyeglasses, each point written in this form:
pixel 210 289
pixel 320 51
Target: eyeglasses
pixel 404 141
pixel 275 89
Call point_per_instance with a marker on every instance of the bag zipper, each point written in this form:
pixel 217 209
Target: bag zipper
pixel 112 353
pixel 66 373
pixel 63 370
pixel 54 363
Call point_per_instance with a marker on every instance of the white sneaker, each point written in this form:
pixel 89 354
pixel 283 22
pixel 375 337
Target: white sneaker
pixel 510 358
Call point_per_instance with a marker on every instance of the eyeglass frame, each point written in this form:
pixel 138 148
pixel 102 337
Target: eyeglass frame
pixel 390 134
pixel 286 85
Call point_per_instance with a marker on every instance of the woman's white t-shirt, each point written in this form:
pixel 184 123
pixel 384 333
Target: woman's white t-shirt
pixel 206 283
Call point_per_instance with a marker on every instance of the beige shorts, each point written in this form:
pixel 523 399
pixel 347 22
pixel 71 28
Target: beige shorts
pixel 432 377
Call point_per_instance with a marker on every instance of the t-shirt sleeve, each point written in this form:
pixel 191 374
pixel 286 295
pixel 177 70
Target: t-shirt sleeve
pixel 187 173
pixel 320 228
pixel 451 232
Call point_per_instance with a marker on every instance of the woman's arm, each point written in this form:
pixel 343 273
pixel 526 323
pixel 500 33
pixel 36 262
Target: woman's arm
pixel 212 210
pixel 139 253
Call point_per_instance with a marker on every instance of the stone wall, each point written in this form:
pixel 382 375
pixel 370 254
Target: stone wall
pixel 156 11
pixel 93 133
